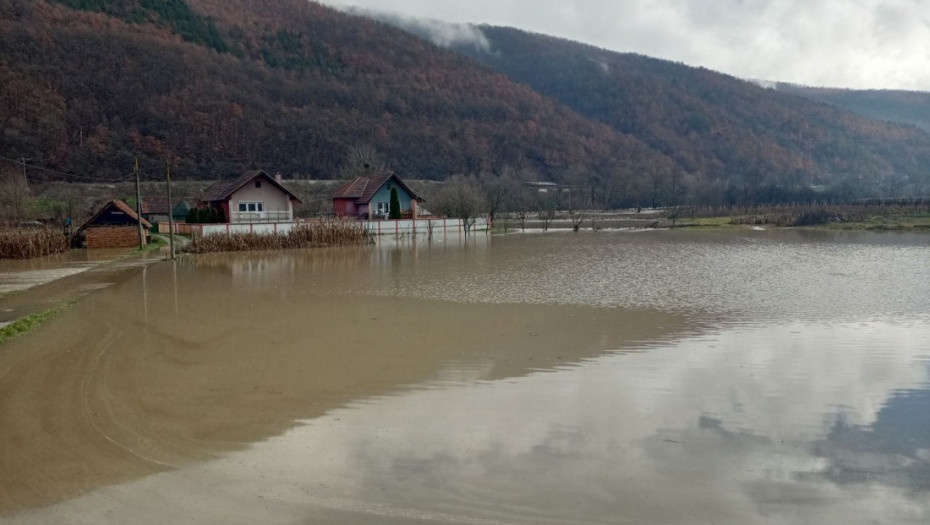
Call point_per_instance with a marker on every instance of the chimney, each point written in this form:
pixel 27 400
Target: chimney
pixel 277 177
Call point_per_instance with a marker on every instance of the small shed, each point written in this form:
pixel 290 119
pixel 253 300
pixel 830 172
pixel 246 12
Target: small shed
pixel 370 197
pixel 114 226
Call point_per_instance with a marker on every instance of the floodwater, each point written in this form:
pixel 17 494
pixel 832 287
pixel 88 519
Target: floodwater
pixel 59 278
pixel 612 377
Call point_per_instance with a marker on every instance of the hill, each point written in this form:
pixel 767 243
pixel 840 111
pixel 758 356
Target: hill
pixel 904 107
pixel 217 87
pixel 730 137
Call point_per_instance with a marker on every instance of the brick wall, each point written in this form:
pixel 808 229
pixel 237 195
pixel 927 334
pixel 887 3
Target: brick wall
pixel 113 237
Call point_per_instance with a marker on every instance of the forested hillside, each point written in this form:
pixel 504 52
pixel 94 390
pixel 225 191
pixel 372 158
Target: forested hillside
pixel 217 87
pixel 905 107
pixel 730 137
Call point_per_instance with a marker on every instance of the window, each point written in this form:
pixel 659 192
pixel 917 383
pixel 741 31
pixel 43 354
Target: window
pixel 250 206
pixel 258 184
pixel 383 208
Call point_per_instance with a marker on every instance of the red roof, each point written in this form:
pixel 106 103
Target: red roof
pixel 362 189
pixel 222 190
pixel 155 206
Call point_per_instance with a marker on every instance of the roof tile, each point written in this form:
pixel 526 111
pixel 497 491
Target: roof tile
pixel 220 191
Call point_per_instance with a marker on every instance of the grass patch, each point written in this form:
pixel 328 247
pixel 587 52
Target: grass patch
pixel 705 222
pixel 154 244
pixel 31 322
pixel 893 216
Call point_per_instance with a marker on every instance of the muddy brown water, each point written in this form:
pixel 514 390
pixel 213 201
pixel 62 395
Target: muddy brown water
pixel 651 377
pixel 61 278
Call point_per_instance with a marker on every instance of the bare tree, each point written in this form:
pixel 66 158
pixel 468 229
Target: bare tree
pixel 497 190
pixel 461 198
pixel 520 200
pixel 15 196
pixel 65 200
pixel 578 198
pixel 363 161
pixel 547 203
pixel 521 205
pixel 578 208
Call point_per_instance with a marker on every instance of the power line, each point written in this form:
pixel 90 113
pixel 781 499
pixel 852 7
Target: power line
pixel 85 178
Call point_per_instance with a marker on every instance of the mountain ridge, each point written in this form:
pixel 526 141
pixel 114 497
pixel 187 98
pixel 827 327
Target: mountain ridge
pixel 712 124
pixel 216 87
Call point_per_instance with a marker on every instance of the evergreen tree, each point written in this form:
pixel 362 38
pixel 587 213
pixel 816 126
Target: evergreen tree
pixel 394 211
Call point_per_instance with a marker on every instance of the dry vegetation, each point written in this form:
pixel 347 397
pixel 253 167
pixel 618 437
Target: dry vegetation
pixel 26 244
pixel 315 234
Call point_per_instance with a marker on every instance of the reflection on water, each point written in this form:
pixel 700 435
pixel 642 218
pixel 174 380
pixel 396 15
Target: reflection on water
pixel 736 377
pixel 802 430
pixel 748 276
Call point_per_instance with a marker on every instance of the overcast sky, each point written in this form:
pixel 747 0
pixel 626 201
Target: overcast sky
pixel 841 43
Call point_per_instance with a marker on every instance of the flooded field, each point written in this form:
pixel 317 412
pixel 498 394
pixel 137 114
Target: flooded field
pixel 611 377
pixel 58 278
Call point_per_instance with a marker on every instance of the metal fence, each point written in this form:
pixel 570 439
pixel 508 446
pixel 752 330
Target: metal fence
pixel 249 217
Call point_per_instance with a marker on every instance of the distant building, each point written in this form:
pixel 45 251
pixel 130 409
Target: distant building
pixel 370 198
pixel 114 226
pixel 155 210
pixel 548 187
pixel 251 197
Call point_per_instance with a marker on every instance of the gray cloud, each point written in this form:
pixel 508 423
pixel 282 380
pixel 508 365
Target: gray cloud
pixel 855 43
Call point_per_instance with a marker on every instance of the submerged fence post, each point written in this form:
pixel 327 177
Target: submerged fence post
pixel 170 213
pixel 139 208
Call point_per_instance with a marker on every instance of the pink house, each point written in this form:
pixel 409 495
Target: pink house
pixel 252 197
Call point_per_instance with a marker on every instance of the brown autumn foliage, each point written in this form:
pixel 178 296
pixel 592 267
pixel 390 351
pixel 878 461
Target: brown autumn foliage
pixel 220 86
pixel 291 85
pixel 747 143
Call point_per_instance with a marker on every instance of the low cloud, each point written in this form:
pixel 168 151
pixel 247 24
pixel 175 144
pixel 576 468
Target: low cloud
pixel 857 44
pixel 443 34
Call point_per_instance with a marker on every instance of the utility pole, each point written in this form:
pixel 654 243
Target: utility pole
pixel 139 208
pixel 170 213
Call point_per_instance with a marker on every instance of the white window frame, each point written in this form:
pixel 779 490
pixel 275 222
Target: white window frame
pixel 384 208
pixel 256 207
